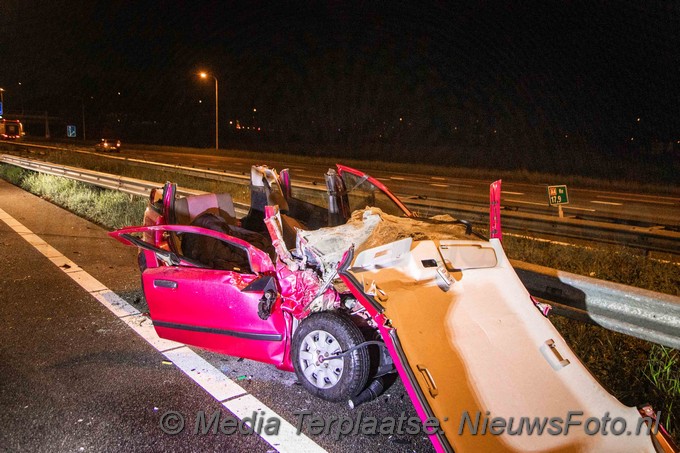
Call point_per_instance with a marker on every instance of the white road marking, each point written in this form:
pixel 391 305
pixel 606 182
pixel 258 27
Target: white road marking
pixel 549 241
pixel 607 203
pixel 526 202
pixel 439 185
pixel 579 209
pixel 436 178
pixel 546 204
pixel 287 441
pixel 512 193
pixel 230 394
pixel 639 198
pixel 580 246
pixel 209 377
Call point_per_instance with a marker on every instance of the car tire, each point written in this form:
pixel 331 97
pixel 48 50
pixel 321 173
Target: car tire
pixel 325 334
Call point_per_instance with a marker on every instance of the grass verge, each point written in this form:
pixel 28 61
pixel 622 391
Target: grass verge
pixel 107 208
pixel 617 264
pixel 239 192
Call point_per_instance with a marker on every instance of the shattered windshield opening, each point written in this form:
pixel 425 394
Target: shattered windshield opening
pixel 363 193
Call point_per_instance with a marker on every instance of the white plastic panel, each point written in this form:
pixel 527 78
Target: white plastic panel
pixel 384 254
pixel 468 256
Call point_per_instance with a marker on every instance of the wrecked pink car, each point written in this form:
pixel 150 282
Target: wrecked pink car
pixel 350 288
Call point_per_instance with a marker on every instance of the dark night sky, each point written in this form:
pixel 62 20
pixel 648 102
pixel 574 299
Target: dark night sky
pixel 583 68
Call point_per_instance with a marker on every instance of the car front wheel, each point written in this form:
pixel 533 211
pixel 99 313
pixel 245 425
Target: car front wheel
pixel 319 338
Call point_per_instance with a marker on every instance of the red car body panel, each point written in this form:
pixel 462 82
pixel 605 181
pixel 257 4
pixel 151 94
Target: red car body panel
pixel 208 308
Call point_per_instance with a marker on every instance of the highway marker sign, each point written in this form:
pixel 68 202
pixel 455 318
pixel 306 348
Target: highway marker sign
pixel 71 131
pixel 557 196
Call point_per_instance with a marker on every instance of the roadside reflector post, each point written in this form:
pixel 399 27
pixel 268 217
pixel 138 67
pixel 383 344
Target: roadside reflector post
pixel 557 196
pixel 495 231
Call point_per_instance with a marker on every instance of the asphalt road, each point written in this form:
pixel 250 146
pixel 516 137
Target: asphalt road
pixel 626 207
pixel 75 377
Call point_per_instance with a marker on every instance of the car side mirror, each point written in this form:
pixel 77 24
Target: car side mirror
pixel 265 284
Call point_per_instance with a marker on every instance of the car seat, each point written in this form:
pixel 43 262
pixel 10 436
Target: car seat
pixel 186 209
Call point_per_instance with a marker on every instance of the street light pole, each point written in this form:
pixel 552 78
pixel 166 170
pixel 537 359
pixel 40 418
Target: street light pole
pixel 83 106
pixel 21 97
pixel 204 75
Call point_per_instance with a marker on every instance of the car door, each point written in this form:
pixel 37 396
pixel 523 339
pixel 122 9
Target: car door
pixel 216 309
pixel 364 190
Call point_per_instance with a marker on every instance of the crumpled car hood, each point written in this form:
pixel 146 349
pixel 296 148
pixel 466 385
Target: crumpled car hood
pixel 368 228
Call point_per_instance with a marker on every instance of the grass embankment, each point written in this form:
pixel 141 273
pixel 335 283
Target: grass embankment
pixel 107 208
pixel 635 371
pixel 239 192
pixel 617 264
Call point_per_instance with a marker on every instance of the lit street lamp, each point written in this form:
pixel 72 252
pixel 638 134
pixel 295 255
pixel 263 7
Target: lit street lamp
pixel 21 97
pixel 205 75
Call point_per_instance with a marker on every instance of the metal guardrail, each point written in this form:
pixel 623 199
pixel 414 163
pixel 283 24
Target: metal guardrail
pixel 124 184
pixel 645 238
pixel 633 311
pixel 105 180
